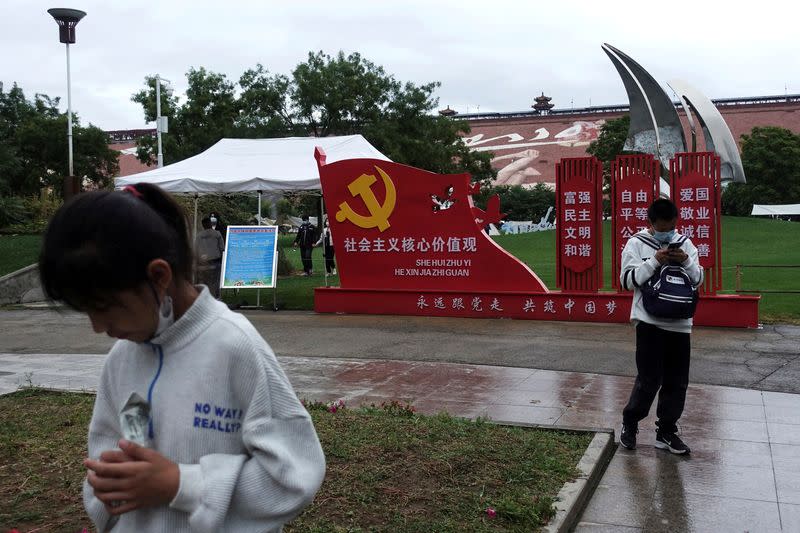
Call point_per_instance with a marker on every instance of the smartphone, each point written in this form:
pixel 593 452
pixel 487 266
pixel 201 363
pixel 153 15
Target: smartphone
pixel 674 246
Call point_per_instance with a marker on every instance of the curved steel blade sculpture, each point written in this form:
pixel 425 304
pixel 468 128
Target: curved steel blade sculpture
pixel 655 125
pixel 717 135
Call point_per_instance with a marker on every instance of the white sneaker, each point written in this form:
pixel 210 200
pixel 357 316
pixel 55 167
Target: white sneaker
pixel 334 272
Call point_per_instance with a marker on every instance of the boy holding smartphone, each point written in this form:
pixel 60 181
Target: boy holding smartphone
pixel 662 344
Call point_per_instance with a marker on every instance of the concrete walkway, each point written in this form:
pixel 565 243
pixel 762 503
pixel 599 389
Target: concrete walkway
pixel 765 359
pixel 743 474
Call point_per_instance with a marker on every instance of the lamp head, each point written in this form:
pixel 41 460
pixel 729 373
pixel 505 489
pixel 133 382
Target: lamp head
pixel 66 19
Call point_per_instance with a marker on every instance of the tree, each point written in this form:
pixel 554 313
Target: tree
pixel 609 143
pixel 324 95
pixel 265 107
pixel 771 161
pixel 33 146
pixel 340 95
pixel 209 114
pixel 518 202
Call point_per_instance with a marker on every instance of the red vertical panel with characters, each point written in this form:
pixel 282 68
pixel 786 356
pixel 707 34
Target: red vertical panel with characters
pixel 634 186
pixel 579 211
pixel 696 191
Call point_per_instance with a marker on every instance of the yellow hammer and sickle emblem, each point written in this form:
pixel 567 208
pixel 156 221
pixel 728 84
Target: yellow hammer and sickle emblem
pixel 378 214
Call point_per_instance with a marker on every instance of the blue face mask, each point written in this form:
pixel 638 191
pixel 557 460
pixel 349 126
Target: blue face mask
pixel 664 236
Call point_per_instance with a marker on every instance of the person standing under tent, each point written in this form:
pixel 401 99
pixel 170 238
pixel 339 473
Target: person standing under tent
pixel 305 240
pixel 326 240
pixel 209 247
pixel 216 223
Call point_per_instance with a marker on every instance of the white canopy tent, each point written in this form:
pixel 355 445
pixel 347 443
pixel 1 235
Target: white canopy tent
pixel 776 210
pixel 252 165
pixel 262 166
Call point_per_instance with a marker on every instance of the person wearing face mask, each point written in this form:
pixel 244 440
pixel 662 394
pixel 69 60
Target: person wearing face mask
pixel 305 240
pixel 209 247
pixel 195 426
pixel 662 344
pixel 326 240
pixel 216 224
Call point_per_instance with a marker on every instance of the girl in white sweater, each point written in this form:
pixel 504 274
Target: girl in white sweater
pixel 195 426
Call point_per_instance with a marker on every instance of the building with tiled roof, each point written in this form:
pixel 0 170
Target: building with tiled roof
pixel 124 142
pixel 527 145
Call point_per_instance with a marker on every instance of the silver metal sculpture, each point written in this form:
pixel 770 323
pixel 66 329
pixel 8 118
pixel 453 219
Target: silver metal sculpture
pixel 656 127
pixel 716 132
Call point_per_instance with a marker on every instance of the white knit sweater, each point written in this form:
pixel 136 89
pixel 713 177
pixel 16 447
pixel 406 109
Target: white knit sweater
pixel 639 264
pixel 222 408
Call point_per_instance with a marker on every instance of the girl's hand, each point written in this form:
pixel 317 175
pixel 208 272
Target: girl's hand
pixel 134 478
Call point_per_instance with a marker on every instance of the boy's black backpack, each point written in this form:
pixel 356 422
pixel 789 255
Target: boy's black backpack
pixel 670 293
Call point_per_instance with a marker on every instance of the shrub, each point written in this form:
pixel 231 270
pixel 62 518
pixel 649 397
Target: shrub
pixel 12 211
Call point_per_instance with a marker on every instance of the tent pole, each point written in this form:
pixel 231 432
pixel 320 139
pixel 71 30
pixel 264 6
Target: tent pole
pixel 194 227
pixel 194 231
pixel 258 291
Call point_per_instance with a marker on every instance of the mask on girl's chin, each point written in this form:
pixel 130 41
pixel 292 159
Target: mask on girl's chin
pixel 166 315
pixel 664 237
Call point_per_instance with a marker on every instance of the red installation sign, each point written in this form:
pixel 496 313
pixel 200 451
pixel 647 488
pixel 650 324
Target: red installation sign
pixel 634 186
pixel 579 232
pixel 696 191
pixel 411 242
pixel 696 213
pixel 399 227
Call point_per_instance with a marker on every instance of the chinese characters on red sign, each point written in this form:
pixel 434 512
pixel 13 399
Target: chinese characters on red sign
pixel 399 227
pixel 632 214
pixel 634 186
pixel 579 210
pixel 695 216
pixel 696 191
pixel 552 306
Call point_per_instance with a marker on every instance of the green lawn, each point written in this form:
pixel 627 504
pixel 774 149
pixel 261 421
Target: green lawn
pixel 18 251
pixel 388 469
pixel 752 241
pixel 746 241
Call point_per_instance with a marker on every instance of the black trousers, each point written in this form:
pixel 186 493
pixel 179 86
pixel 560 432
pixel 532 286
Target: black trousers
pixel 329 264
pixel 662 362
pixel 305 256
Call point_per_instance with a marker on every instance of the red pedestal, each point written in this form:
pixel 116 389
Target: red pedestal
pixel 609 307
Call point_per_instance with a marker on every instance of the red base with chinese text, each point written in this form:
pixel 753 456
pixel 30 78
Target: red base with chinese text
pixel 608 307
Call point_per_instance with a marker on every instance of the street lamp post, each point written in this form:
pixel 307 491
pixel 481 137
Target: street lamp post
pixel 161 122
pixel 67 19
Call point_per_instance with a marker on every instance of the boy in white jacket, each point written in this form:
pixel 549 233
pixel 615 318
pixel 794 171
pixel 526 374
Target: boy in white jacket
pixel 662 344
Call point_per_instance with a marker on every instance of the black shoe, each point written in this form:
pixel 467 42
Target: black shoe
pixel 627 436
pixel 672 443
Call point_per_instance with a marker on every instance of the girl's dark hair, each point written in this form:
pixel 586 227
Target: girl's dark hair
pixel 100 242
pixel 662 209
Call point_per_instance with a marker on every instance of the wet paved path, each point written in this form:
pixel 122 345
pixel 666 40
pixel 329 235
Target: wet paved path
pixel 767 359
pixel 743 475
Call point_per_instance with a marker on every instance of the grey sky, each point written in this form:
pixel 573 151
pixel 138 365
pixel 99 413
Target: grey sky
pixel 497 55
